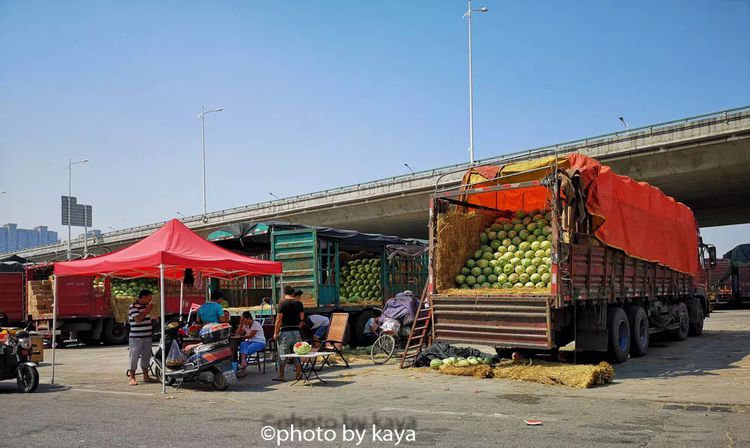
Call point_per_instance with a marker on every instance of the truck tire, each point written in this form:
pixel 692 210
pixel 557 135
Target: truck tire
pixel 619 334
pixel 114 332
pixel 683 317
pixel 696 324
pixel 639 334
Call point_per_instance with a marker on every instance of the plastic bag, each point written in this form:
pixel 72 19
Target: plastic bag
pixel 175 357
pixel 390 326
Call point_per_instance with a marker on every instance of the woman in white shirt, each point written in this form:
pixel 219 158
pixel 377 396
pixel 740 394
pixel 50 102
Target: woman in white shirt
pixel 254 341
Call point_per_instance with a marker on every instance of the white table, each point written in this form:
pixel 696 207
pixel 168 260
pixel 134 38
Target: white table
pixel 310 364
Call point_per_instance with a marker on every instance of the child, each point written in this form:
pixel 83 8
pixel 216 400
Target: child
pixel 372 327
pixel 254 340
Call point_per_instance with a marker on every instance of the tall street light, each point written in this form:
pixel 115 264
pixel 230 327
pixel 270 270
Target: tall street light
pixel 467 15
pixel 70 197
pixel 202 118
pixel 625 123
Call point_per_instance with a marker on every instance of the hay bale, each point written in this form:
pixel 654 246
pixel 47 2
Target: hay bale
pixel 458 234
pixel 572 375
pixel 121 305
pixel 480 371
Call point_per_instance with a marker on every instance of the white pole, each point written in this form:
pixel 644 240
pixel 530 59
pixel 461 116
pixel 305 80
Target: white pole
pixel 161 342
pixel 85 234
pixel 471 95
pixel 70 195
pixel 54 324
pixel 182 285
pixel 203 148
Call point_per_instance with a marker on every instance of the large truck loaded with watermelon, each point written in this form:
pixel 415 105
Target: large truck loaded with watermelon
pixel 337 270
pixel 562 252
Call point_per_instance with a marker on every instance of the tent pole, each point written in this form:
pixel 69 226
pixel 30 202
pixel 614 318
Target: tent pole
pixel 161 342
pixel 182 285
pixel 54 324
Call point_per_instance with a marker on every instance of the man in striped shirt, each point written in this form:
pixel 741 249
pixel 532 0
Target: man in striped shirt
pixel 140 335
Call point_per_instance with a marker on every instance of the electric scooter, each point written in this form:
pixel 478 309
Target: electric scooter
pixel 209 363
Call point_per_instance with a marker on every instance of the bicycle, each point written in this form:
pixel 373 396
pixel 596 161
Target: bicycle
pixel 385 346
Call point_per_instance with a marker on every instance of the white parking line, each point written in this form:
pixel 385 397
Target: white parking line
pixel 111 392
pixel 460 414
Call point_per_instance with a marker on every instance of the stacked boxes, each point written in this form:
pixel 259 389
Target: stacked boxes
pixel 39 297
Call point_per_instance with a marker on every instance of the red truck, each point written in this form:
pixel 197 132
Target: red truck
pixel 733 276
pixel 85 312
pixel 619 260
pixel 720 282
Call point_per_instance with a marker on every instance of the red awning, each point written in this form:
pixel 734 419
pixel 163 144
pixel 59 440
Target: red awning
pixel 177 248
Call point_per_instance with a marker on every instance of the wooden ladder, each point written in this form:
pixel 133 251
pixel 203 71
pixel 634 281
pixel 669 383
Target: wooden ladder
pixel 421 331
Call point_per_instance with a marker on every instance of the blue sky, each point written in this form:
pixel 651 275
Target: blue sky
pixel 329 93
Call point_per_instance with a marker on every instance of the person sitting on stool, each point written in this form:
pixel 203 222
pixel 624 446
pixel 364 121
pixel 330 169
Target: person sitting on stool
pixel 254 340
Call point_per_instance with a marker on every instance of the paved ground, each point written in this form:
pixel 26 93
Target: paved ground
pixel 693 393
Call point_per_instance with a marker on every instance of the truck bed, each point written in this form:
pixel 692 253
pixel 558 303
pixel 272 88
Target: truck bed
pixel 498 320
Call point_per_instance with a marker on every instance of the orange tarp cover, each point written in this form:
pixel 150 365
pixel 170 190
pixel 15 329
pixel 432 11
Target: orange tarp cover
pixel 633 216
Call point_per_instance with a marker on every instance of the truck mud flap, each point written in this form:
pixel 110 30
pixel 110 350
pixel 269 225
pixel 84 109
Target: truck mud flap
pixel 512 322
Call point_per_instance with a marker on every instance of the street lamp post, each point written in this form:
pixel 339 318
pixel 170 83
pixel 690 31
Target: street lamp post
pixel 467 16
pixel 70 197
pixel 625 123
pixel 202 117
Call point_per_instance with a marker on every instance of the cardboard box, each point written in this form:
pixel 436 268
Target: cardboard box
pixel 37 349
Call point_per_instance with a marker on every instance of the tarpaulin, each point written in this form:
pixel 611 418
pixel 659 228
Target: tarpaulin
pixel 635 217
pixel 348 239
pixel 739 256
pixel 530 198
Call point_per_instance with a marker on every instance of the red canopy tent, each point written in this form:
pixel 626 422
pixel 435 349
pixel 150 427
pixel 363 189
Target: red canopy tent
pixel 166 254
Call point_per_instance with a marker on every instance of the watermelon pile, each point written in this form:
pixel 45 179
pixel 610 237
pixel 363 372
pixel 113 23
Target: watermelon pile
pixel 360 281
pixel 128 288
pixel 464 362
pixel 515 253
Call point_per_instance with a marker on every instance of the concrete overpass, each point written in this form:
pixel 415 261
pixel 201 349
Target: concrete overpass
pixel 703 161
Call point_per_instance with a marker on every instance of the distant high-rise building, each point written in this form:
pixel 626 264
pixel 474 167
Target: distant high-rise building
pixel 13 239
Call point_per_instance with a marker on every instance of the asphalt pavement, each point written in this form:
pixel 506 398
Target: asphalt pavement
pixel 694 393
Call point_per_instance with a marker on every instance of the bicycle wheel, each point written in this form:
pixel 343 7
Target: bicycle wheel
pixel 383 348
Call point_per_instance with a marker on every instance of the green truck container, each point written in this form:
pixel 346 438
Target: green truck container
pixel 320 261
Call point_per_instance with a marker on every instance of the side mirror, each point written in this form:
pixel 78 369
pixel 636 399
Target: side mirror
pixel 3 319
pixel 712 255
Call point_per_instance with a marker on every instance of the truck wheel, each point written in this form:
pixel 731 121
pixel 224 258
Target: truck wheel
pixel 639 334
pixel 683 317
pixel 619 335
pixel 696 326
pixel 114 332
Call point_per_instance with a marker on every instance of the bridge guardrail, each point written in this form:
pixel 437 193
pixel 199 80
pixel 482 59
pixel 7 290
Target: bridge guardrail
pixel 191 221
